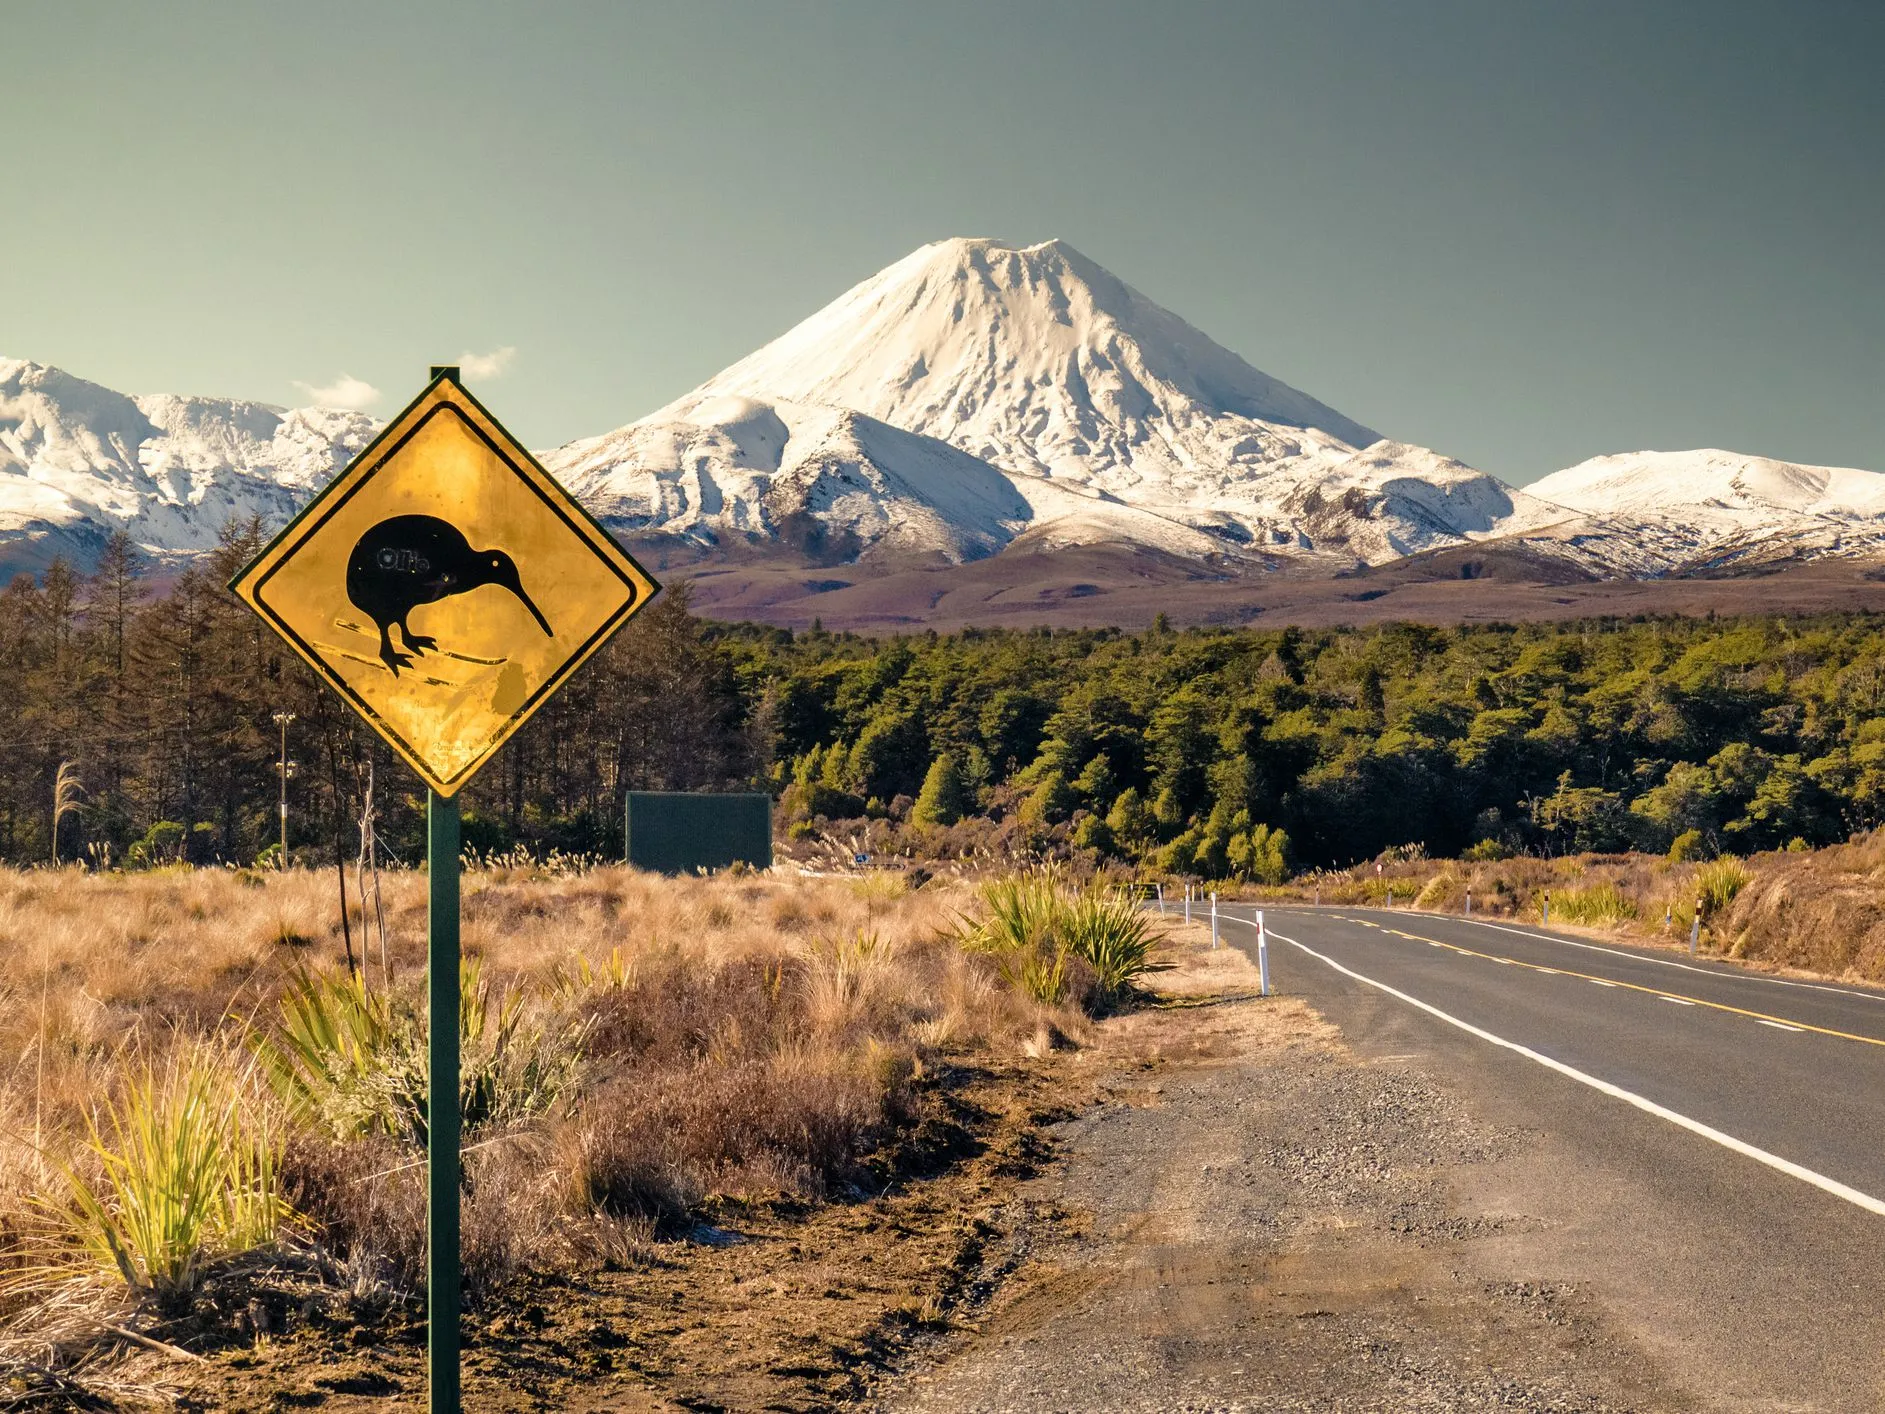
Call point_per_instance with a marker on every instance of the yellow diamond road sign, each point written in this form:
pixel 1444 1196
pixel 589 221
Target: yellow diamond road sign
pixel 445 584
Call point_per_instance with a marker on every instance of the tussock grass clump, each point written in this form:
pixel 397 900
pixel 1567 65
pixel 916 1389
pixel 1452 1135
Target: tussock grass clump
pixel 353 1060
pixel 1718 881
pixel 1056 945
pixel 1599 905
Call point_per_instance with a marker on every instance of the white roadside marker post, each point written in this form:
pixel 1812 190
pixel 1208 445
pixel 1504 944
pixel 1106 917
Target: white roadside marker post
pixel 1263 957
pixel 1695 928
pixel 1187 905
pixel 1213 917
pixel 1469 903
pixel 1546 923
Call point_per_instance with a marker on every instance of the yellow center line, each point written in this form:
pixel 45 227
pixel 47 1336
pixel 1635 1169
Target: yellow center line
pixel 1768 1017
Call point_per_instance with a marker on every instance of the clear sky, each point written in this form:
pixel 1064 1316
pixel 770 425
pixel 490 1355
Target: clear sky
pixel 1521 231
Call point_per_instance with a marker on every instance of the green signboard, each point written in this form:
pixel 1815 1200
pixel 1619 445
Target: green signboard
pixel 680 832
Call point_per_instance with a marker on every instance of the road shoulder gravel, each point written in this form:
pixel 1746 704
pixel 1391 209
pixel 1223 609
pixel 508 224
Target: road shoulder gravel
pixel 1249 1217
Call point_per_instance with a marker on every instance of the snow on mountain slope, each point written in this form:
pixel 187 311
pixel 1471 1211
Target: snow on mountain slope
pixel 78 460
pixel 1393 499
pixel 827 480
pixel 1039 361
pixel 1109 416
pixel 1714 507
pixel 1714 490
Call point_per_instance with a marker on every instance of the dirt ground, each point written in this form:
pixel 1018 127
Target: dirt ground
pixel 780 1306
pixel 1215 1207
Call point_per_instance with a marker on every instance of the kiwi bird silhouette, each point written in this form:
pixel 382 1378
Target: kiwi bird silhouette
pixel 411 560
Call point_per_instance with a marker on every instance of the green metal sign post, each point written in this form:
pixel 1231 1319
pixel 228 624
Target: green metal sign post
pixel 442 1108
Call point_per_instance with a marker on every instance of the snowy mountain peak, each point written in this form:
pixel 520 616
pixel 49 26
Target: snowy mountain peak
pixel 60 424
pixel 78 460
pixel 971 395
pixel 1108 415
pixel 1038 360
pixel 1713 487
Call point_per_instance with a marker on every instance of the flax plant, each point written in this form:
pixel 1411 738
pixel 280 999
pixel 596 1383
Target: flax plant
pixel 1033 927
pixel 353 1062
pixel 1111 935
pixel 186 1172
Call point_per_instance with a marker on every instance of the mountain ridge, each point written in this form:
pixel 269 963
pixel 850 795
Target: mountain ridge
pixel 972 398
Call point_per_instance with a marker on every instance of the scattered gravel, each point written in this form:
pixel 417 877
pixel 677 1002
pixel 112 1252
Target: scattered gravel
pixel 1271 1229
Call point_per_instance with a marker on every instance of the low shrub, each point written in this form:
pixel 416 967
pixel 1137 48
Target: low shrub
pixel 1686 846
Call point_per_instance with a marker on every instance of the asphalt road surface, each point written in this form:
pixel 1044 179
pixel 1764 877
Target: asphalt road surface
pixel 1711 1141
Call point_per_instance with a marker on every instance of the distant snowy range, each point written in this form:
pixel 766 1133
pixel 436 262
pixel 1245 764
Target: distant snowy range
pixel 972 403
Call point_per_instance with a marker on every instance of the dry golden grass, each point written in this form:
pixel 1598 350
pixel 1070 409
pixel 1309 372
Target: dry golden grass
pixel 744 1036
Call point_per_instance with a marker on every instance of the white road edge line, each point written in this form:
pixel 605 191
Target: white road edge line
pixel 1681 1121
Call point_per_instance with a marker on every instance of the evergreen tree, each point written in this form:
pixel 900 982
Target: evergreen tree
pixel 943 799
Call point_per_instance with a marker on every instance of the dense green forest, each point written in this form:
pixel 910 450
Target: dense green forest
pixel 1209 751
pixel 1192 749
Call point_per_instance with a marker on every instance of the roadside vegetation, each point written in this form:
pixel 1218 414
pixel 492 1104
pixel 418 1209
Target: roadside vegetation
pixel 210 1127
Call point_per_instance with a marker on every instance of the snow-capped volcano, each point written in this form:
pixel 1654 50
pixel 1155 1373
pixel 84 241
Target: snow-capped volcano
pixel 1040 362
pixel 1108 416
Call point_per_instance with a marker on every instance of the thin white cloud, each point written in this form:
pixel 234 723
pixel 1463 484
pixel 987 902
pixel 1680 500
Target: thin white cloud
pixel 346 391
pixel 486 365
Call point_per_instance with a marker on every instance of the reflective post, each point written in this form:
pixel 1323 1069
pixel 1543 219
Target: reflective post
pixel 1695 928
pixel 1263 956
pixel 442 1116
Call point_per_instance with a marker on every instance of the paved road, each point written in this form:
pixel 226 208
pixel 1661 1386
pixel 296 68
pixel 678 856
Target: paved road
pixel 1711 1151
